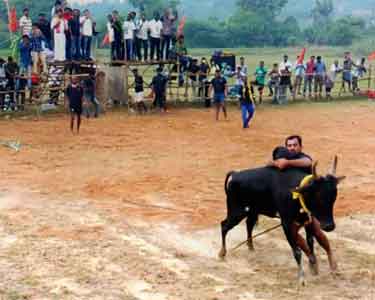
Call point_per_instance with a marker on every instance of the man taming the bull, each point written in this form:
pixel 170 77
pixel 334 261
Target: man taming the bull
pixel 291 156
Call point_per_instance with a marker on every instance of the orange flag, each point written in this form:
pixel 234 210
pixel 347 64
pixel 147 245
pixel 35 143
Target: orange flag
pixel 301 56
pixel 180 29
pixel 371 56
pixel 105 40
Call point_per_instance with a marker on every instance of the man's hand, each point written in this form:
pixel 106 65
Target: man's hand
pixel 281 163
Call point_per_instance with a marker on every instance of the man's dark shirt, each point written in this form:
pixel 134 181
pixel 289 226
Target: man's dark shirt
pixel 45 28
pixel 194 69
pixel 75 26
pixel 219 85
pixel 159 83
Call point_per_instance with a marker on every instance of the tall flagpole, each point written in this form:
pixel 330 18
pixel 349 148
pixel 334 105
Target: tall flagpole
pixel 8 10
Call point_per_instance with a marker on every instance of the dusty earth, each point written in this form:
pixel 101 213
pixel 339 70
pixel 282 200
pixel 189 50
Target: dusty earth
pixel 130 208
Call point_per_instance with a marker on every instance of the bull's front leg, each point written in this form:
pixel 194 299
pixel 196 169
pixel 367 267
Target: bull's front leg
pixel 324 243
pixel 313 261
pixel 288 230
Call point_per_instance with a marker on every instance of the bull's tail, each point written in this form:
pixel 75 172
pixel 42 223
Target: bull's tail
pixel 226 181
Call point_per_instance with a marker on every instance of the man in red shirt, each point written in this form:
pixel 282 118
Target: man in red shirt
pixel 309 76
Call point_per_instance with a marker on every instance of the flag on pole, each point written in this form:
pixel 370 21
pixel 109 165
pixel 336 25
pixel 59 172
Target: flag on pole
pixel 180 29
pixel 13 24
pixel 301 56
pixel 105 40
pixel 371 56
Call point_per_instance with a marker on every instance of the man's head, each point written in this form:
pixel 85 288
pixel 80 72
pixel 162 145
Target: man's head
pixel 10 59
pixel 312 58
pixel 135 72
pixel 275 66
pixel 25 39
pixel 59 13
pixel 156 16
pixel 75 79
pixel 319 58
pixel 86 13
pixel 35 30
pixel 26 12
pixel 203 60
pixel 76 12
pixel 294 143
pixel 261 64
pixel 42 17
pixel 363 60
pixel 129 17
pixel 336 62
pixel 242 60
pixel 159 70
pixel 285 58
pixel 217 73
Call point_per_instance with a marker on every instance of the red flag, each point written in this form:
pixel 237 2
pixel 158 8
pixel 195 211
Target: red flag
pixel 180 29
pixel 301 56
pixel 13 24
pixel 371 56
pixel 105 40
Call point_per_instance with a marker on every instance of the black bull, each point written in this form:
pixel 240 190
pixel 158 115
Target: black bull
pixel 268 191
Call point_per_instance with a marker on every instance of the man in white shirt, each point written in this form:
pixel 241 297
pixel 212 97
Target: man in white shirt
pixel 142 37
pixel 25 23
pixel 87 33
pixel 334 70
pixel 155 27
pixel 129 30
pixel 285 69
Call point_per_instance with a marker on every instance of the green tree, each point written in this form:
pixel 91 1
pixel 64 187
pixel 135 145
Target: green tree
pixel 35 8
pixel 268 7
pixel 322 12
pixel 150 6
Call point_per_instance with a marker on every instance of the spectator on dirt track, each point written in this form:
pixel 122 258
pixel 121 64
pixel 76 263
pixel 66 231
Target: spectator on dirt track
pixel 74 93
pixel 220 89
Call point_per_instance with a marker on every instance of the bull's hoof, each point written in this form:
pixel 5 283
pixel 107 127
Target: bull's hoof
pixel 302 281
pixel 314 269
pixel 222 254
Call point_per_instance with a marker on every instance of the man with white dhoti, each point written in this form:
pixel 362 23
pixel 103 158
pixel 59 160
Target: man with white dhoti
pixel 59 26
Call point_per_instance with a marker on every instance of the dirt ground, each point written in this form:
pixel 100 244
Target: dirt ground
pixel 130 208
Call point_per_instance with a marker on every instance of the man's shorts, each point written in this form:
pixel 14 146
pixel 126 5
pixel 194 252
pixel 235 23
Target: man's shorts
pixel 258 84
pixel 347 76
pixel 138 97
pixel 76 110
pixel 219 98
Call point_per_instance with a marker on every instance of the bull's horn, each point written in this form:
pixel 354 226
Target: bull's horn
pixel 334 167
pixel 315 174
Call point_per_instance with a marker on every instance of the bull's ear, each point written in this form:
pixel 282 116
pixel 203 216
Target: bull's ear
pixel 339 179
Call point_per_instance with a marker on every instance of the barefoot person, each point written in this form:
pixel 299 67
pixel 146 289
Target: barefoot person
pixel 74 93
pixel 219 86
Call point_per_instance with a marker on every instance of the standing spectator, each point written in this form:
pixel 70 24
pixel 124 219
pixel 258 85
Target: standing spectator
pixel 274 81
pixel 129 30
pixel 11 71
pixel 59 26
pixel 320 71
pixel 299 69
pixel 168 21
pixel 260 80
pixel 37 53
pixel 75 29
pixel 118 35
pixel 111 36
pixel 45 27
pixel 347 71
pixel 68 16
pixel 358 73
pixel 220 89
pixel 25 23
pixel 204 85
pixel 58 5
pixel 329 84
pixel 89 89
pixel 193 75
pixel 25 58
pixel 3 82
pixel 159 88
pixel 285 68
pixel 139 96
pixel 74 93
pixel 244 68
pixel 87 33
pixel 239 83
pixel 155 27
pixel 142 38
pixel 334 70
pixel 247 106
pixel 309 76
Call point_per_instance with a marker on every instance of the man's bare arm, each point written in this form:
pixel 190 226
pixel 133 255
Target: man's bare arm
pixel 304 162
